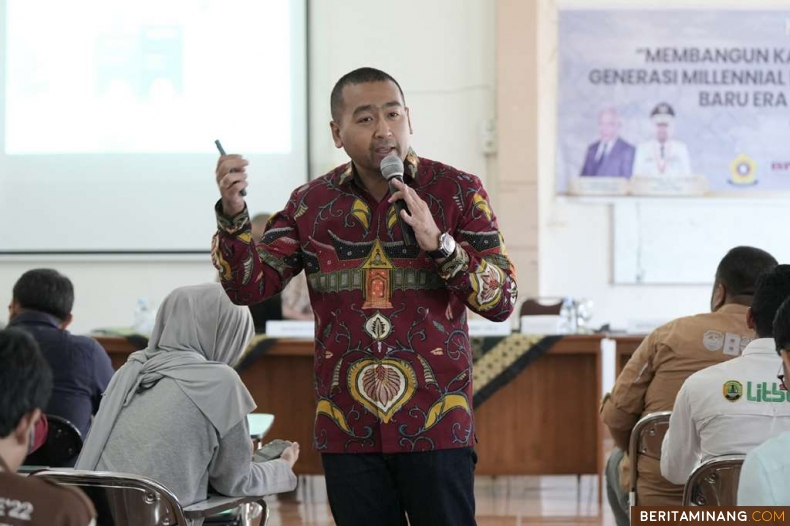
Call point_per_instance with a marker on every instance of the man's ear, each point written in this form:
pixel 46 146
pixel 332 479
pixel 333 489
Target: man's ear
pixel 26 423
pixel 65 323
pixel 786 360
pixel 719 297
pixel 408 118
pixel 336 134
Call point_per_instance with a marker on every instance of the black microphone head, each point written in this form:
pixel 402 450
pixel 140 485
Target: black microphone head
pixel 391 166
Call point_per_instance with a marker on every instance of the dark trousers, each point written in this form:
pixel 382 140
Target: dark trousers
pixel 618 499
pixel 434 488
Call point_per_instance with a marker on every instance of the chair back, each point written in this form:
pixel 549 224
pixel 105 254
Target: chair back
pixel 646 439
pixel 714 482
pixel 540 307
pixel 123 499
pixel 63 445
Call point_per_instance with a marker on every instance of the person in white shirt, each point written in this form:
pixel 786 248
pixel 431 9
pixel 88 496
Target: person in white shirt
pixel 662 156
pixel 732 407
pixel 765 475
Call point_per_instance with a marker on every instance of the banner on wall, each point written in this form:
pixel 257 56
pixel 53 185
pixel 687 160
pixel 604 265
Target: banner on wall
pixel 673 102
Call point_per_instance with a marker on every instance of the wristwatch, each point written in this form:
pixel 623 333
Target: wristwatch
pixel 446 247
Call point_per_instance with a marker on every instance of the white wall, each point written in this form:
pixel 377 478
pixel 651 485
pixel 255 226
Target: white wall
pixel 106 291
pixel 441 51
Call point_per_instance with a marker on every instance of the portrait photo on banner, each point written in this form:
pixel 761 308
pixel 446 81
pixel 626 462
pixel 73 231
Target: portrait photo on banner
pixel 648 106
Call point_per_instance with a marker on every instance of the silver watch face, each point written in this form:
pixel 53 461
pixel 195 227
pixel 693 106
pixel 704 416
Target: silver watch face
pixel 446 244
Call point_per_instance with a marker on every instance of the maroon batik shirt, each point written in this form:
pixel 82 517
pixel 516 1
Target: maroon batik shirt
pixel 393 366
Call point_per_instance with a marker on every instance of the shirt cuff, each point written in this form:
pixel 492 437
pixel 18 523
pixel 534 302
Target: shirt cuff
pixel 458 262
pixel 231 225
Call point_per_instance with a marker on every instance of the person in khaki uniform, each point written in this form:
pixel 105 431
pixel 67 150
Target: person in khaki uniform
pixel 25 387
pixel 670 354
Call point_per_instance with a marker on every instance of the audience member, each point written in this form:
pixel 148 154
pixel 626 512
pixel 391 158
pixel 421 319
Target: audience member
pixel 41 305
pixel 765 475
pixel 25 388
pixel 177 411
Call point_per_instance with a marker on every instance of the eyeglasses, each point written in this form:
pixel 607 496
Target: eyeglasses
pixel 780 375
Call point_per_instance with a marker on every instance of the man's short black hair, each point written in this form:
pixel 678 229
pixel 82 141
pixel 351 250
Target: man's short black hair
pixel 739 269
pixel 45 290
pixel 772 289
pixel 358 76
pixel 782 327
pixel 25 378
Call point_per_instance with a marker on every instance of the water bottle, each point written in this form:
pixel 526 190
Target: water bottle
pixel 141 316
pixel 568 319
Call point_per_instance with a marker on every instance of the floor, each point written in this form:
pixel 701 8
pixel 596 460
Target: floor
pixel 501 501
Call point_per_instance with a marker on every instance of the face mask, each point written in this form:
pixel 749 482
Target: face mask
pixel 31 440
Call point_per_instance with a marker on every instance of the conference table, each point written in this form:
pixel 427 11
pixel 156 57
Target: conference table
pixel 536 415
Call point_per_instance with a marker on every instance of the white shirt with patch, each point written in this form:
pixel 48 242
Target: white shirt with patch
pixel 726 409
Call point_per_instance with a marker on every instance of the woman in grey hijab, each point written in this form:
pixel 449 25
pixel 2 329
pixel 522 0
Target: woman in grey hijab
pixel 177 411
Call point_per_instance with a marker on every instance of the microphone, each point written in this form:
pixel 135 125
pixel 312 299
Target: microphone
pixel 392 168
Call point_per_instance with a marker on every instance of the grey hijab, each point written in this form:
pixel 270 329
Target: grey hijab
pixel 198 335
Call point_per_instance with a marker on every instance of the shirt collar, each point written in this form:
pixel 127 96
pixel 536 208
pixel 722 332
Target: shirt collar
pixel 760 346
pixel 410 168
pixel 34 316
pixel 733 307
pixel 3 465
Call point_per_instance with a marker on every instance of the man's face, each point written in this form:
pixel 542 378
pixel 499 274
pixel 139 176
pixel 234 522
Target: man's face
pixel 374 122
pixel 662 132
pixel 13 309
pixel 608 126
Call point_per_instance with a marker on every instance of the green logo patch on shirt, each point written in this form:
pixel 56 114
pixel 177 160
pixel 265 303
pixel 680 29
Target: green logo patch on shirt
pixel 732 390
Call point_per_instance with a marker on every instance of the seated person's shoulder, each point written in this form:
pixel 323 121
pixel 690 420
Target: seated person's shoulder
pixel 88 346
pixel 227 374
pixel 699 383
pixel 695 325
pixel 45 502
pixel 771 455
pixel 687 322
pixel 86 342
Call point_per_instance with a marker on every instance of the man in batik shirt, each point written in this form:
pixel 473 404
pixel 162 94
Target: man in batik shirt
pixel 393 367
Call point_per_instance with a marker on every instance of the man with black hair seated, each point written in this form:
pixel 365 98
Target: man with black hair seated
pixel 25 388
pixel 656 371
pixel 765 475
pixel 41 305
pixel 716 404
